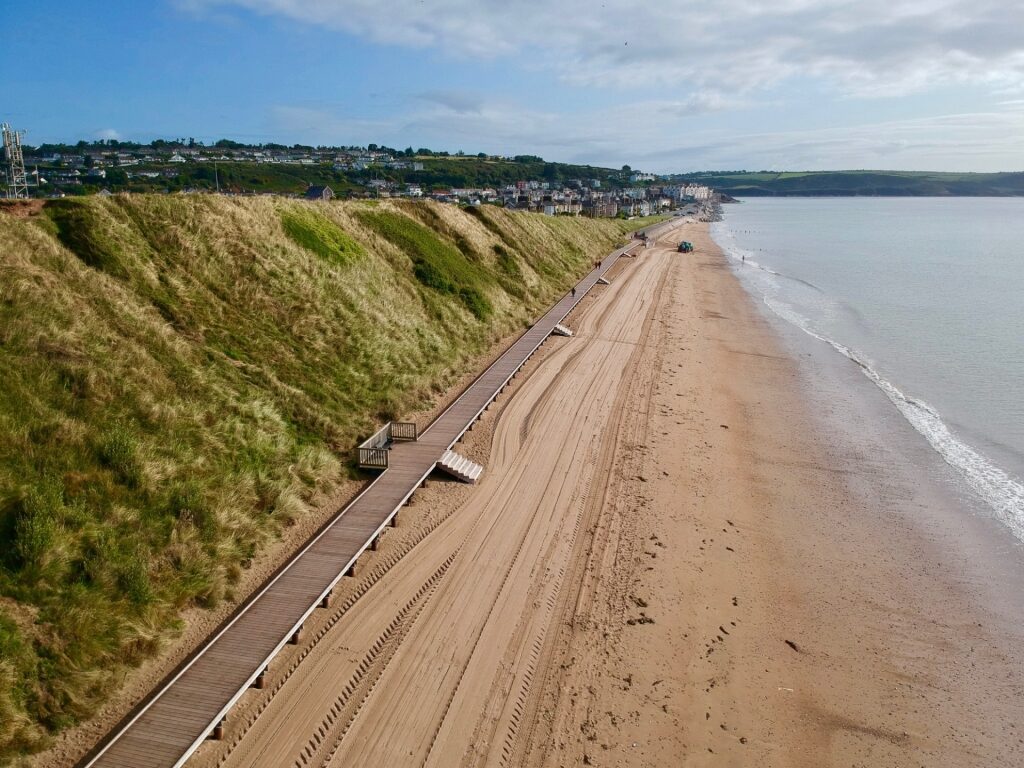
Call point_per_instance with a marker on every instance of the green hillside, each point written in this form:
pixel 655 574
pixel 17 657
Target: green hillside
pixel 182 373
pixel 240 176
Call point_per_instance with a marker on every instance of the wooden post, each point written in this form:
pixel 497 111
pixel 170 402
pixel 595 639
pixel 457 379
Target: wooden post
pixel 261 679
pixel 325 602
pixel 375 543
pixel 394 520
pixel 218 730
pixel 351 570
pixel 296 636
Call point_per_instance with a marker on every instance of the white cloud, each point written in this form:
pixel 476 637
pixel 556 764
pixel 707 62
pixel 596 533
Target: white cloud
pixel 666 139
pixel 868 47
pixel 701 102
pixel 458 101
pixel 108 134
pixel 958 142
pixel 772 64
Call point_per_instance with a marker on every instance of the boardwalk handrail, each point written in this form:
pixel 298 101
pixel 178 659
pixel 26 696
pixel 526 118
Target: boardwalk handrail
pixel 373 458
pixel 402 430
pixel 373 451
pixel 378 439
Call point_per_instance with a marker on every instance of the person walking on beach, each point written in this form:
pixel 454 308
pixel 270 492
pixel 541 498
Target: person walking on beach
pixel 574 290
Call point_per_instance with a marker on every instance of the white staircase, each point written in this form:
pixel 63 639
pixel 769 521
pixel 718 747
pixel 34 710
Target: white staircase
pixel 460 467
pixel 602 281
pixel 561 330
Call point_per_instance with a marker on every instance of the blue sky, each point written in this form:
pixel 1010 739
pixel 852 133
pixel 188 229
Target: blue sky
pixel 672 86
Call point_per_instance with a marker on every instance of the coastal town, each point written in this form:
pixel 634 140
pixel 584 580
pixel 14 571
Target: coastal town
pixel 519 183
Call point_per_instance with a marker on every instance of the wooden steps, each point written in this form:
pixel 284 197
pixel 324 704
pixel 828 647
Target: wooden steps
pixel 561 330
pixel 460 467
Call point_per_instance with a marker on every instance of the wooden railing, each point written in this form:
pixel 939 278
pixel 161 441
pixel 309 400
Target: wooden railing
pixel 403 430
pixel 373 458
pixel 378 439
pixel 373 452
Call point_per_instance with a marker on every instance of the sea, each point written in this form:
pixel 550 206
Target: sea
pixel 925 298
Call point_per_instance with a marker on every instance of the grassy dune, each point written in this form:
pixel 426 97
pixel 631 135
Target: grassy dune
pixel 182 373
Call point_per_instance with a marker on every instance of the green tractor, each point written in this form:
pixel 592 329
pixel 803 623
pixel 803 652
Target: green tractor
pixel 685 247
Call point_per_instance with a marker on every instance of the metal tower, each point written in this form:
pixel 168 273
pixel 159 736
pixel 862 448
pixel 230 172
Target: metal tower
pixel 14 164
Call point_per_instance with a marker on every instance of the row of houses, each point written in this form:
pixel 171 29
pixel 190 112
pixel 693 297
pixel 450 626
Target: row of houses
pixel 340 160
pixel 543 198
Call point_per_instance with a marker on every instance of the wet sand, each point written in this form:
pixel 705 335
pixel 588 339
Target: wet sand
pixel 674 558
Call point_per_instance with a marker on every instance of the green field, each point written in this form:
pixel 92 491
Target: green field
pixel 182 373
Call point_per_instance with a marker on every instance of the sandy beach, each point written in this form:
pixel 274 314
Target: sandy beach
pixel 805 612
pixel 670 560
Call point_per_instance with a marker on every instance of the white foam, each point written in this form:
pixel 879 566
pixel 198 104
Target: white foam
pixel 1001 492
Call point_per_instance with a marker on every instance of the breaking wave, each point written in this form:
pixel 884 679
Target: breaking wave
pixel 1003 493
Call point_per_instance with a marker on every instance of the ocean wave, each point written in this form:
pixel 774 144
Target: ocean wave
pixel 1001 492
pixel 745 258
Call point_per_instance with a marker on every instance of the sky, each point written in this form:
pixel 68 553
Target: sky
pixel 664 86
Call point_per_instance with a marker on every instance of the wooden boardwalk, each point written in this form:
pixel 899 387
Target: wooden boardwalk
pixel 178 716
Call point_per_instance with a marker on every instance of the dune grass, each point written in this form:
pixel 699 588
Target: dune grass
pixel 182 375
pixel 321 236
pixel 437 264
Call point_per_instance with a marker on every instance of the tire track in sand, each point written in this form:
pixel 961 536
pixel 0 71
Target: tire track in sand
pixel 627 429
pixel 530 538
pixel 606 355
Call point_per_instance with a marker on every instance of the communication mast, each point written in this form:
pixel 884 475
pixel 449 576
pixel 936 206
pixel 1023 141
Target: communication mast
pixel 14 164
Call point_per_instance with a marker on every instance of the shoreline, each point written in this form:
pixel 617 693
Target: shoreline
pixel 949 512
pixel 898 604
pixel 814 603
pixel 972 489
pixel 907 318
